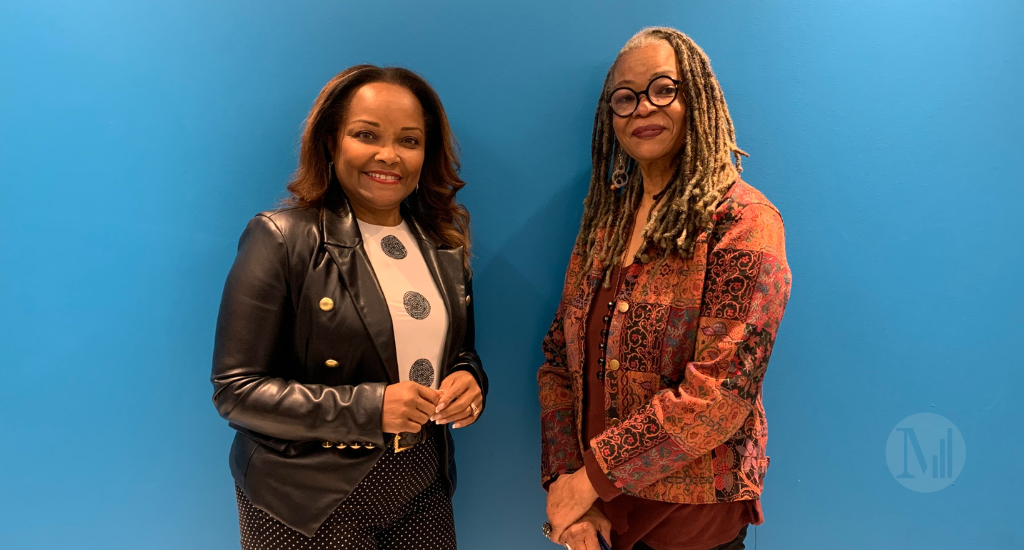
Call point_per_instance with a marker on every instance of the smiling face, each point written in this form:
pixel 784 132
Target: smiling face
pixel 651 133
pixel 379 151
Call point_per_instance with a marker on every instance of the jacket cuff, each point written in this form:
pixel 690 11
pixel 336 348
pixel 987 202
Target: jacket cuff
pixel 471 370
pixel 369 424
pixel 606 490
pixel 546 483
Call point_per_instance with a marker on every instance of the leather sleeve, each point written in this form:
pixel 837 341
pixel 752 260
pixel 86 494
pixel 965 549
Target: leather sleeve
pixel 467 359
pixel 254 324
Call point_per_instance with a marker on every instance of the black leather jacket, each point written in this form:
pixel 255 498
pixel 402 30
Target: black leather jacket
pixel 292 372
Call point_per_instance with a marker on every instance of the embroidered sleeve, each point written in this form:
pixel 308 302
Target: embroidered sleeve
pixel 745 291
pixel 560 452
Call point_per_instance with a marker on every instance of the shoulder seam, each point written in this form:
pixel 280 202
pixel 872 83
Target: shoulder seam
pixel 287 252
pixel 766 204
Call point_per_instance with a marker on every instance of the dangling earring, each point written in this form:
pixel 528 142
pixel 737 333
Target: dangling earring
pixel 619 175
pixel 330 172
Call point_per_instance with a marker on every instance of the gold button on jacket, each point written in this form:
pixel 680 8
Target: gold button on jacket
pixel 326 304
pixel 623 307
pixel 331 363
pixel 613 364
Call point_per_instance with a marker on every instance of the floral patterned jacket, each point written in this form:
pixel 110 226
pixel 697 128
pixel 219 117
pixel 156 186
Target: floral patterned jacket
pixel 687 350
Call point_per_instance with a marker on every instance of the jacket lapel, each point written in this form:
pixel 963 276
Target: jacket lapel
pixel 344 244
pixel 446 268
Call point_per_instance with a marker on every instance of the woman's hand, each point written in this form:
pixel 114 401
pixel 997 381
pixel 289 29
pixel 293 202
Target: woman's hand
pixel 407 407
pixel 461 400
pixel 582 535
pixel 569 498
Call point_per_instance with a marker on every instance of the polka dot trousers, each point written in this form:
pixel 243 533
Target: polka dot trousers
pixel 401 504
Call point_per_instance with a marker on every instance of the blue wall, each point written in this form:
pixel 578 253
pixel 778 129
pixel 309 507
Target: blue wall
pixel 136 139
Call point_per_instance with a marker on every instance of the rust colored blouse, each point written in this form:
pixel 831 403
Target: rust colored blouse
pixel 660 525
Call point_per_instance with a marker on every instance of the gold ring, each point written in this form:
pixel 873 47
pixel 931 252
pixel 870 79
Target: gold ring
pixel 476 410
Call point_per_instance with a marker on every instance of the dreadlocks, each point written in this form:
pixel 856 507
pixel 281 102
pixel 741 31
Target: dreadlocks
pixel 709 163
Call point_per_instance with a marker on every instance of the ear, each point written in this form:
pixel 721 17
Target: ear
pixel 332 142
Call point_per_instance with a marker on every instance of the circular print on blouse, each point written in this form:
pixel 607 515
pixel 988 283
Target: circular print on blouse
pixel 393 247
pixel 416 305
pixel 422 372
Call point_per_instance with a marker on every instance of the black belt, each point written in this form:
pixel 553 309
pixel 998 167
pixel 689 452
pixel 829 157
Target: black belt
pixel 406 440
pixel 397 443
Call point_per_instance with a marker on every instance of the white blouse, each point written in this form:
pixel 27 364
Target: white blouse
pixel 418 313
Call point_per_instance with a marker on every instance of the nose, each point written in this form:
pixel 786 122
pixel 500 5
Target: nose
pixel 645 107
pixel 386 155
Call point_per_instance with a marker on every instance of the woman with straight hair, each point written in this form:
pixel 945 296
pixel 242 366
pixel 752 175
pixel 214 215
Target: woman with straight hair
pixel 653 433
pixel 345 341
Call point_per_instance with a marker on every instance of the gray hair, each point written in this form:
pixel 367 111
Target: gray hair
pixel 707 165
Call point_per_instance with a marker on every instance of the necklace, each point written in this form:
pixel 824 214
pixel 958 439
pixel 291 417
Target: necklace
pixel 618 279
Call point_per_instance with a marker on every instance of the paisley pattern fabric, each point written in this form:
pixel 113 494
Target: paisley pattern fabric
pixel 683 407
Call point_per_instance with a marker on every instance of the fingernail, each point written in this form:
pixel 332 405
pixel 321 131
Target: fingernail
pixel 439 407
pixel 456 425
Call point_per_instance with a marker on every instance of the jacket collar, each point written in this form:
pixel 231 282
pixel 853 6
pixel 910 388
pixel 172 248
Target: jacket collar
pixel 339 227
pixel 341 233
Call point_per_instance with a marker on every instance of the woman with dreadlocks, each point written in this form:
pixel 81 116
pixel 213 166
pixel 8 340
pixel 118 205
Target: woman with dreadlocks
pixel 653 432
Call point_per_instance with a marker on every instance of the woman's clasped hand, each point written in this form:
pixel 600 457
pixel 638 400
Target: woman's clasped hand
pixel 574 519
pixel 582 535
pixel 409 405
pixel 459 400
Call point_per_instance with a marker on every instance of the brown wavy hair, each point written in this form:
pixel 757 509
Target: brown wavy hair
pixel 433 204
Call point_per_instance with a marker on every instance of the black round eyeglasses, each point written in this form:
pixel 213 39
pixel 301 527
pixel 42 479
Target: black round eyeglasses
pixel 660 92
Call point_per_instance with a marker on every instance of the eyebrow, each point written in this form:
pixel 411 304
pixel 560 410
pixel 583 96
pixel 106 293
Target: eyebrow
pixel 654 75
pixel 377 125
